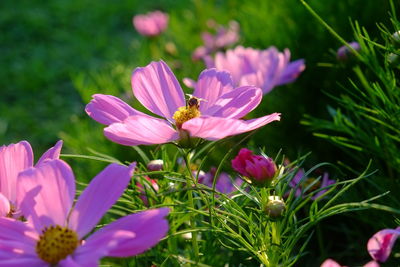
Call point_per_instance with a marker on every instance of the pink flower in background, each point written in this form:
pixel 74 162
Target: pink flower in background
pixel 262 68
pixel 14 159
pixel 223 184
pixel 144 187
pixel 151 24
pixel 344 52
pixel 380 244
pixel 213 42
pixel 215 115
pixel 332 263
pixel 258 169
pixel 56 234
pixel 310 184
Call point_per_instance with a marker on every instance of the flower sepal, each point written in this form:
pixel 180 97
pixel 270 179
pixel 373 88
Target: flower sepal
pixel 187 141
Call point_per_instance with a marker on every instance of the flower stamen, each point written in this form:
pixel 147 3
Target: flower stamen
pixel 184 114
pixel 56 243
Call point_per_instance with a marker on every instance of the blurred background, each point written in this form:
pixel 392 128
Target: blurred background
pixel 56 54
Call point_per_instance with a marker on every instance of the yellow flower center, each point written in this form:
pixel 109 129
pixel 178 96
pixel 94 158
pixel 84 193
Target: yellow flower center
pixel 184 114
pixel 56 243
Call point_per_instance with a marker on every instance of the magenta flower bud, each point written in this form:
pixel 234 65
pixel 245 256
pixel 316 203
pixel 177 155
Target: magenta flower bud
pixel 275 207
pixel 258 169
pixel 344 52
pixel 155 165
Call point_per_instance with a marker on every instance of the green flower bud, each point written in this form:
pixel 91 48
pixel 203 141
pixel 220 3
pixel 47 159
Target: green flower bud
pixel 275 207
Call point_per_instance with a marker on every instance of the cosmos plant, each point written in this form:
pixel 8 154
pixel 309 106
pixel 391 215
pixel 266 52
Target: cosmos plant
pixel 212 113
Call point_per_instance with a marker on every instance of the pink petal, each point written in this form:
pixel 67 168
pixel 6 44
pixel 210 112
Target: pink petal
pixel 46 193
pixel 102 192
pixel 330 263
pixel 211 85
pixel 23 261
pixel 236 103
pixel 371 264
pixel 156 87
pixel 52 153
pixel 4 206
pixel 292 71
pixel 17 230
pixel 230 61
pixel 86 262
pixel 214 128
pixel 130 235
pixel 108 109
pixel 141 130
pixel 380 244
pixel 17 235
pixel 13 159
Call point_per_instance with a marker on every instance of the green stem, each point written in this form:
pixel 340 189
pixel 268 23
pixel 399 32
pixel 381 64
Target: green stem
pixel 329 28
pixel 190 181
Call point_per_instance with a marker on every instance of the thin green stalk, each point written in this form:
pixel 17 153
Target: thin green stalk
pixel 190 181
pixel 329 28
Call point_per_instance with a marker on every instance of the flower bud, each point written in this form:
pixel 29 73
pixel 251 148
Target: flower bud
pixel 256 169
pixel 393 59
pixel 344 52
pixel 155 165
pixel 396 38
pixel 275 207
pixel 187 141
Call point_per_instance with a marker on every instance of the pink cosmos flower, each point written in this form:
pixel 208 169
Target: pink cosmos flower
pixel 222 38
pixel 151 24
pixel 310 184
pixel 223 184
pixel 332 263
pixel 214 116
pixel 258 169
pixel 15 158
pixel 57 231
pixel 262 68
pixel 380 244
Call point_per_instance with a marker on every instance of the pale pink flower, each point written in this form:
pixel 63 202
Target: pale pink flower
pixel 332 263
pixel 380 244
pixel 14 159
pixel 151 24
pixel 258 169
pixel 155 86
pixel 57 230
pixel 371 264
pixel 213 42
pixel 262 68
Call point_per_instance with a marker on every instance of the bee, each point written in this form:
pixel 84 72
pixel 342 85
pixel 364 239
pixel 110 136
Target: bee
pixel 194 101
